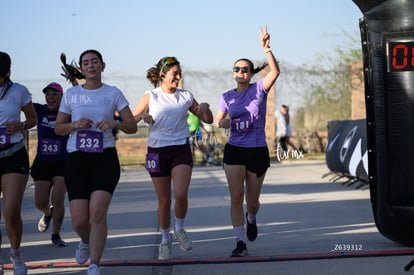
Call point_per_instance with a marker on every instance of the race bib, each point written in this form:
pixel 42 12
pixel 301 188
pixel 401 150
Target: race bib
pixel 50 147
pixel 4 137
pixel 89 141
pixel 242 124
pixel 152 163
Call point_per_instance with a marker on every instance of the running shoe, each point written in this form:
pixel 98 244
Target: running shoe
pixel 82 253
pixel 184 240
pixel 240 250
pixel 57 241
pixel 165 251
pixel 44 221
pixel 19 266
pixel 93 269
pixel 251 231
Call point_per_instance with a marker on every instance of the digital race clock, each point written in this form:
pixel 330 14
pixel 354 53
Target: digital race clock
pixel 400 54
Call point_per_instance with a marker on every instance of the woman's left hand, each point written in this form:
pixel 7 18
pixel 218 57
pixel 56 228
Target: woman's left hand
pixel 13 127
pixel 202 107
pixel 106 125
pixel 264 38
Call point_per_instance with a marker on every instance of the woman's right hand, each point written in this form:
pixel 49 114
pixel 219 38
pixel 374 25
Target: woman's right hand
pixel 225 123
pixel 83 123
pixel 147 118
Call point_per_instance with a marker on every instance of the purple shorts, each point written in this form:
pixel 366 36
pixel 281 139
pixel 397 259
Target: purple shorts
pixel 168 157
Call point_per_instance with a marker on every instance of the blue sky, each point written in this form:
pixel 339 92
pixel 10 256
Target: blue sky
pixel 133 35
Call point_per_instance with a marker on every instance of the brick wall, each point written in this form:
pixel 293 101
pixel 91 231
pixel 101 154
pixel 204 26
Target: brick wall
pixel 127 147
pixel 358 92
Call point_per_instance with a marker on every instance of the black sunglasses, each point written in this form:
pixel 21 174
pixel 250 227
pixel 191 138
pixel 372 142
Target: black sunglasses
pixel 52 93
pixel 243 69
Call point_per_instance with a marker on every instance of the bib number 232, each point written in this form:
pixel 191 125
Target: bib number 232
pixel 89 141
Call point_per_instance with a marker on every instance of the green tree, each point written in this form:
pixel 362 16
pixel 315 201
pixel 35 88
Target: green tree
pixel 324 89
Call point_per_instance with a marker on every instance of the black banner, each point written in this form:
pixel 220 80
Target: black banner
pixel 346 153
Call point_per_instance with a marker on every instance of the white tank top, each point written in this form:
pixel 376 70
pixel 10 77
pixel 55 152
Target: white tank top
pixel 169 112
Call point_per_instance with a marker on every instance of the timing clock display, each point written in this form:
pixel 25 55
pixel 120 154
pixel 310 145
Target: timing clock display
pixel 400 54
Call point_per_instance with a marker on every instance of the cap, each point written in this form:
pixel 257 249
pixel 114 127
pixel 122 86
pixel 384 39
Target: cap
pixel 54 86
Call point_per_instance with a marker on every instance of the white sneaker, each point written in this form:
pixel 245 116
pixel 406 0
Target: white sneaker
pixel 165 251
pixel 93 269
pixel 184 240
pixel 19 267
pixel 82 253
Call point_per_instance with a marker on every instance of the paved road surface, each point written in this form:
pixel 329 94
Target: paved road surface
pixel 307 225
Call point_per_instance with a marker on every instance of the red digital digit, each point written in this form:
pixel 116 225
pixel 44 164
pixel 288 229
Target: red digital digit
pixel 396 63
pixel 412 57
pixel 400 54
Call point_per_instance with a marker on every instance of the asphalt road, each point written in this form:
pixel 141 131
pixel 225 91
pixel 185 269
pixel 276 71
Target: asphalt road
pixel 307 225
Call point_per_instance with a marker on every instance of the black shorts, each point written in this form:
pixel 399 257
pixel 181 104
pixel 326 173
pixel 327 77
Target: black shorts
pixel 255 159
pixel 88 172
pixel 16 163
pixel 171 156
pixel 46 170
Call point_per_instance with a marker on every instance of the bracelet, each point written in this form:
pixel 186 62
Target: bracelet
pixel 267 50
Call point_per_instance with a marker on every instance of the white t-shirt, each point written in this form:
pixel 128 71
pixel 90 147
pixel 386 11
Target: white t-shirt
pixel 11 105
pixel 169 112
pixel 97 105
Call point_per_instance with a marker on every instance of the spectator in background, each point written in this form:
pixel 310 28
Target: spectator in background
pixel 196 138
pixel 283 128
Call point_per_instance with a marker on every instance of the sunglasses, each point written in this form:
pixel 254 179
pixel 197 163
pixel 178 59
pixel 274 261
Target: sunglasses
pixel 53 93
pixel 243 69
pixel 169 61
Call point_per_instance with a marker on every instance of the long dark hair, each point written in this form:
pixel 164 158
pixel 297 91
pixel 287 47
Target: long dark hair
pixel 72 69
pixel 5 64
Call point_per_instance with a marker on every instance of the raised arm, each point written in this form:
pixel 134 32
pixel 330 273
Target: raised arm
pixel 274 71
